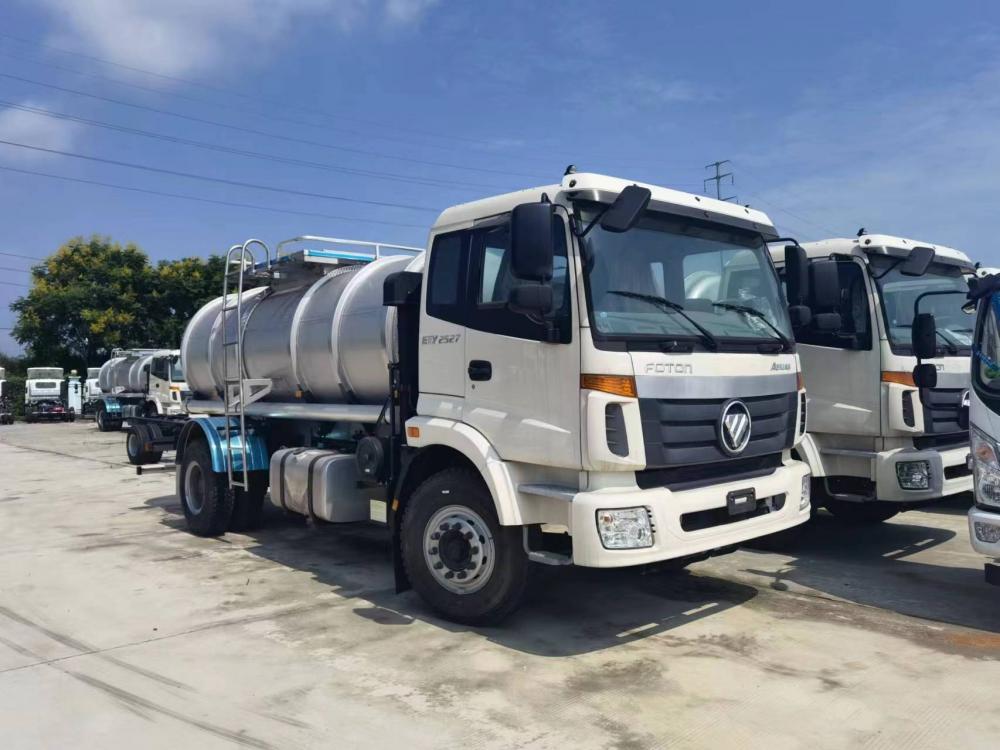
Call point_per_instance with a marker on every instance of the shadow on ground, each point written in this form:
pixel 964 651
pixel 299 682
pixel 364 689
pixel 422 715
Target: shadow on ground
pixel 568 611
pixel 877 565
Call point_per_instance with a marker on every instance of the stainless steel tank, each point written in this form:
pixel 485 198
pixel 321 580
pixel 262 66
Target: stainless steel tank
pixel 137 373
pixel 113 377
pixel 328 341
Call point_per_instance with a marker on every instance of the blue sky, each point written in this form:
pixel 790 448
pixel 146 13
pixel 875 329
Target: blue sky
pixel 883 115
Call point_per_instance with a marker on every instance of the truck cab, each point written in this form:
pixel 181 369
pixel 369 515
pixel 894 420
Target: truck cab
pixel 91 390
pixel 984 426
pixel 44 398
pixel 166 389
pixel 878 443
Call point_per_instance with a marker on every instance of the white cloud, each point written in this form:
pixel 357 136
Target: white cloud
pixel 188 37
pixel 36 130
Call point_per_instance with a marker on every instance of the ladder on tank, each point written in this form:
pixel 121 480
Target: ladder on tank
pixel 239 391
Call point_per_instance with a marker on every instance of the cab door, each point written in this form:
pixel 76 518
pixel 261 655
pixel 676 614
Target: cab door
pixel 521 374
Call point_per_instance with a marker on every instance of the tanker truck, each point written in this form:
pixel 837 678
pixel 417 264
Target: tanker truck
pixel 594 372
pixel 44 396
pixel 879 442
pixel 137 383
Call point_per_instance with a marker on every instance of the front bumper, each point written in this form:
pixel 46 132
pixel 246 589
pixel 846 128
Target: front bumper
pixel 668 510
pixel 942 463
pixel 989 518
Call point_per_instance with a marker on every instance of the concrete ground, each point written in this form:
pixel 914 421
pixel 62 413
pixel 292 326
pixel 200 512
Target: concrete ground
pixel 119 629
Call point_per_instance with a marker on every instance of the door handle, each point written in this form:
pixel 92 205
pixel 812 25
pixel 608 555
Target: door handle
pixel 480 369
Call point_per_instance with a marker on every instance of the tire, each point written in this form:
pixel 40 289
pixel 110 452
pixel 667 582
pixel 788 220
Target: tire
pixel 457 498
pixel 137 454
pixel 205 498
pixel 861 513
pixel 248 505
pixel 104 422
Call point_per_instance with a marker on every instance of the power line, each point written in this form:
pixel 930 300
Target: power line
pixel 393 177
pixel 19 255
pixel 261 133
pixel 200 199
pixel 16 270
pixel 718 178
pixel 14 283
pixel 220 180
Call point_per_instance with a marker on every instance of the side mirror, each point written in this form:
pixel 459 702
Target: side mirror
pixel 796 275
pixel 824 285
pixel 923 335
pixel 626 210
pixel 925 375
pixel 800 316
pixel 827 322
pixel 531 299
pixel 917 262
pixel 532 241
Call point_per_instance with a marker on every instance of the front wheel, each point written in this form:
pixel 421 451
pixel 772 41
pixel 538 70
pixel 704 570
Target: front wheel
pixel 104 422
pixel 136 450
pixel 870 512
pixel 205 497
pixel 458 557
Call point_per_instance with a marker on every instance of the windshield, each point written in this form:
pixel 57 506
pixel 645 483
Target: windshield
pixel 46 385
pixel 176 371
pixel 899 293
pixel 672 277
pixel 986 363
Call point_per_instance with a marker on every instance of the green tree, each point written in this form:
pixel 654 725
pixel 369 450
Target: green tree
pixel 92 296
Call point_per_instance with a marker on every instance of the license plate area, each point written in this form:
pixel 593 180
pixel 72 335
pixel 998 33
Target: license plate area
pixel 739 502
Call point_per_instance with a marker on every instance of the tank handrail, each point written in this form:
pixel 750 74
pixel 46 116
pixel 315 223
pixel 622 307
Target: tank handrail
pixel 340 241
pixel 267 252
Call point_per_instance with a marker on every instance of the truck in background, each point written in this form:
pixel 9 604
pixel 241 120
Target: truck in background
pixel 984 425
pixel 91 391
pixel 137 383
pixel 877 441
pixel 593 372
pixel 6 407
pixel 44 396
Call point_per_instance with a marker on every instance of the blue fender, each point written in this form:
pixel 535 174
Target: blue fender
pixel 112 406
pixel 211 428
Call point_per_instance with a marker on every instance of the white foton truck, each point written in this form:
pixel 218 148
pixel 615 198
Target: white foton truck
pixel 44 397
pixel 594 373
pixel 877 443
pixel 138 383
pixel 984 426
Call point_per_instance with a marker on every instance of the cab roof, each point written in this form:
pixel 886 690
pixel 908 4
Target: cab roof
pixel 602 188
pixel 876 244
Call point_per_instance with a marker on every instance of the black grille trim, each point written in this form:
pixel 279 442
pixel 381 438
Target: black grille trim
pixel 909 418
pixel 683 432
pixel 706 519
pixel 679 478
pixel 935 442
pixel 941 410
pixel 614 429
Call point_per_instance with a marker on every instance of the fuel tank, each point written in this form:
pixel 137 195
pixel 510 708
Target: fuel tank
pixel 324 339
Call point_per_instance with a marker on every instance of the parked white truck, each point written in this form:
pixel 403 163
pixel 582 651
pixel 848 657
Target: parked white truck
pixel 139 382
pixel 877 444
pixel 594 373
pixel 91 391
pixel 44 396
pixel 984 425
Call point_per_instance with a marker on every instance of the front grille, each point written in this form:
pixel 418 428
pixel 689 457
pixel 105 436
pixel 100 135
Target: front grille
pixel 701 475
pixel 937 442
pixel 941 410
pixel 682 432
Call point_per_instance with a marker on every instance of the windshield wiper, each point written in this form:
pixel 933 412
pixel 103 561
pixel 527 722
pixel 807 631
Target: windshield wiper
pixel 753 311
pixel 665 304
pixel 948 346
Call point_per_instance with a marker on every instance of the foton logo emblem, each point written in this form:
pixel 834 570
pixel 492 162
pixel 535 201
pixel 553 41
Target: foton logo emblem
pixel 669 368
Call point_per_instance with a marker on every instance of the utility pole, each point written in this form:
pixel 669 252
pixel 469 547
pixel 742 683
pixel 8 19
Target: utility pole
pixel 718 178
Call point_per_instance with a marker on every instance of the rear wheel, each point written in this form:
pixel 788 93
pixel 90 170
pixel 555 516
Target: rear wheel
pixel 105 423
pixel 458 557
pixel 136 450
pixel 248 504
pixel 205 498
pixel 873 511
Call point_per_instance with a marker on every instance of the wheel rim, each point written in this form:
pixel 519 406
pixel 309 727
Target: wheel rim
pixel 194 488
pixel 133 444
pixel 459 549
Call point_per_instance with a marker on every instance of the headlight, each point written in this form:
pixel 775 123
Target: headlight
pixel 914 475
pixel 806 490
pixel 985 468
pixel 625 528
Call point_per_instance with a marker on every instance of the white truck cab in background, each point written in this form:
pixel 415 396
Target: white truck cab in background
pixel 877 443
pixel 91 390
pixel 984 425
pixel 44 396
pixel 137 383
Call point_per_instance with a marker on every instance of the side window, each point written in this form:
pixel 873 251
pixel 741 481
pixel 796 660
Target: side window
pixel 855 316
pixel 446 277
pixel 158 368
pixel 491 269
